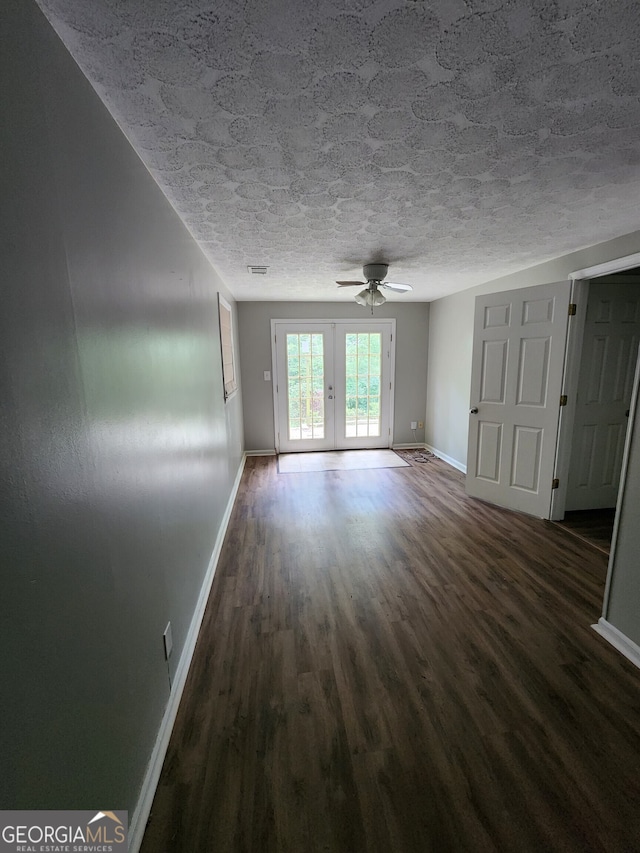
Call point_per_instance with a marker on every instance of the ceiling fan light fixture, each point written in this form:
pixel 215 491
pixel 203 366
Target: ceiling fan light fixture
pixel 370 298
pixel 375 275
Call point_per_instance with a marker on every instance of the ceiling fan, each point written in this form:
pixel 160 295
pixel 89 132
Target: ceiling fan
pixel 374 275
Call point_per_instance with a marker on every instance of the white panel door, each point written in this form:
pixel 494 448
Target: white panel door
pixel 516 379
pixel 333 384
pixel 607 367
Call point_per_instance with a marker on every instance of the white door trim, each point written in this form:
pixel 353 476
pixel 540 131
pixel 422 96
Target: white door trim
pixel 314 328
pixel 579 296
pixel 609 267
pixel 633 418
pixel 571 372
pixel 360 321
pixel 603 627
pixel 386 331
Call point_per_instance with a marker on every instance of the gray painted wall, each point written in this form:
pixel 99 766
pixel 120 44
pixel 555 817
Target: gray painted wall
pixel 451 337
pixel 623 607
pixel 449 382
pixel 117 452
pixel 254 324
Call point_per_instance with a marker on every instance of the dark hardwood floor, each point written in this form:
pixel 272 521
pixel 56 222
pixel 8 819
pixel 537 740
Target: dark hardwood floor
pixel 386 665
pixel 592 525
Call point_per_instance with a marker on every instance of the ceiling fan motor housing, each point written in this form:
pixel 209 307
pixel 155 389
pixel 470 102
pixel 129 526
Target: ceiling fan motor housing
pixel 375 272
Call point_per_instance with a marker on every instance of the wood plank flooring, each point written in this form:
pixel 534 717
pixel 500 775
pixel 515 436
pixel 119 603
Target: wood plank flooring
pixel 386 665
pixel 592 525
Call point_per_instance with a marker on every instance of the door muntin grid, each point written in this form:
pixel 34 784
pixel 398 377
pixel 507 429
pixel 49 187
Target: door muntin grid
pixel 305 386
pixel 363 369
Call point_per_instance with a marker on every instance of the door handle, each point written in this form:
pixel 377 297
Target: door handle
pixel 330 396
pixel 473 411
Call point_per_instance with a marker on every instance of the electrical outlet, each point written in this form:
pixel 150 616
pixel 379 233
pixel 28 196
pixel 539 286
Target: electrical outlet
pixel 420 425
pixel 414 424
pixel 168 641
pixel 267 375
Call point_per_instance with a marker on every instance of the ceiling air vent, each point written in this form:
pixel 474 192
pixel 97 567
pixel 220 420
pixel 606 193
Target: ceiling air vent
pixel 257 270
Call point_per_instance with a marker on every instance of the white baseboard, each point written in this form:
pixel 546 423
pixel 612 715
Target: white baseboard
pixel 260 452
pixel 618 640
pixel 154 768
pixel 414 445
pixel 448 459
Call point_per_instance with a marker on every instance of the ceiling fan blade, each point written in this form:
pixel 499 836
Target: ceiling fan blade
pixel 350 284
pixel 396 286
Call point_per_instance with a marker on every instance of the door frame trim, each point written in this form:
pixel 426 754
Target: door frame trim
pixel 570 374
pixel 581 277
pixel 360 321
pixel 608 267
pixel 579 295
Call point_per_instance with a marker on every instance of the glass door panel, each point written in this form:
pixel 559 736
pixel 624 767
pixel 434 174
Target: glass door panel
pixel 362 384
pixel 304 357
pixel 305 386
pixel 362 378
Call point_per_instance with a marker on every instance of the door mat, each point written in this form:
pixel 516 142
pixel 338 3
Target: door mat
pixel 339 460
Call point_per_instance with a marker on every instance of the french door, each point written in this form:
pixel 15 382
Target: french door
pixel 333 384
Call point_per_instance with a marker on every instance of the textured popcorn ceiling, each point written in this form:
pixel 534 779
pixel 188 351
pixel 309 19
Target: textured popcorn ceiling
pixel 458 139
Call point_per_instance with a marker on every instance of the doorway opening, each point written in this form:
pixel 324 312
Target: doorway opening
pixel 594 526
pixel 601 370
